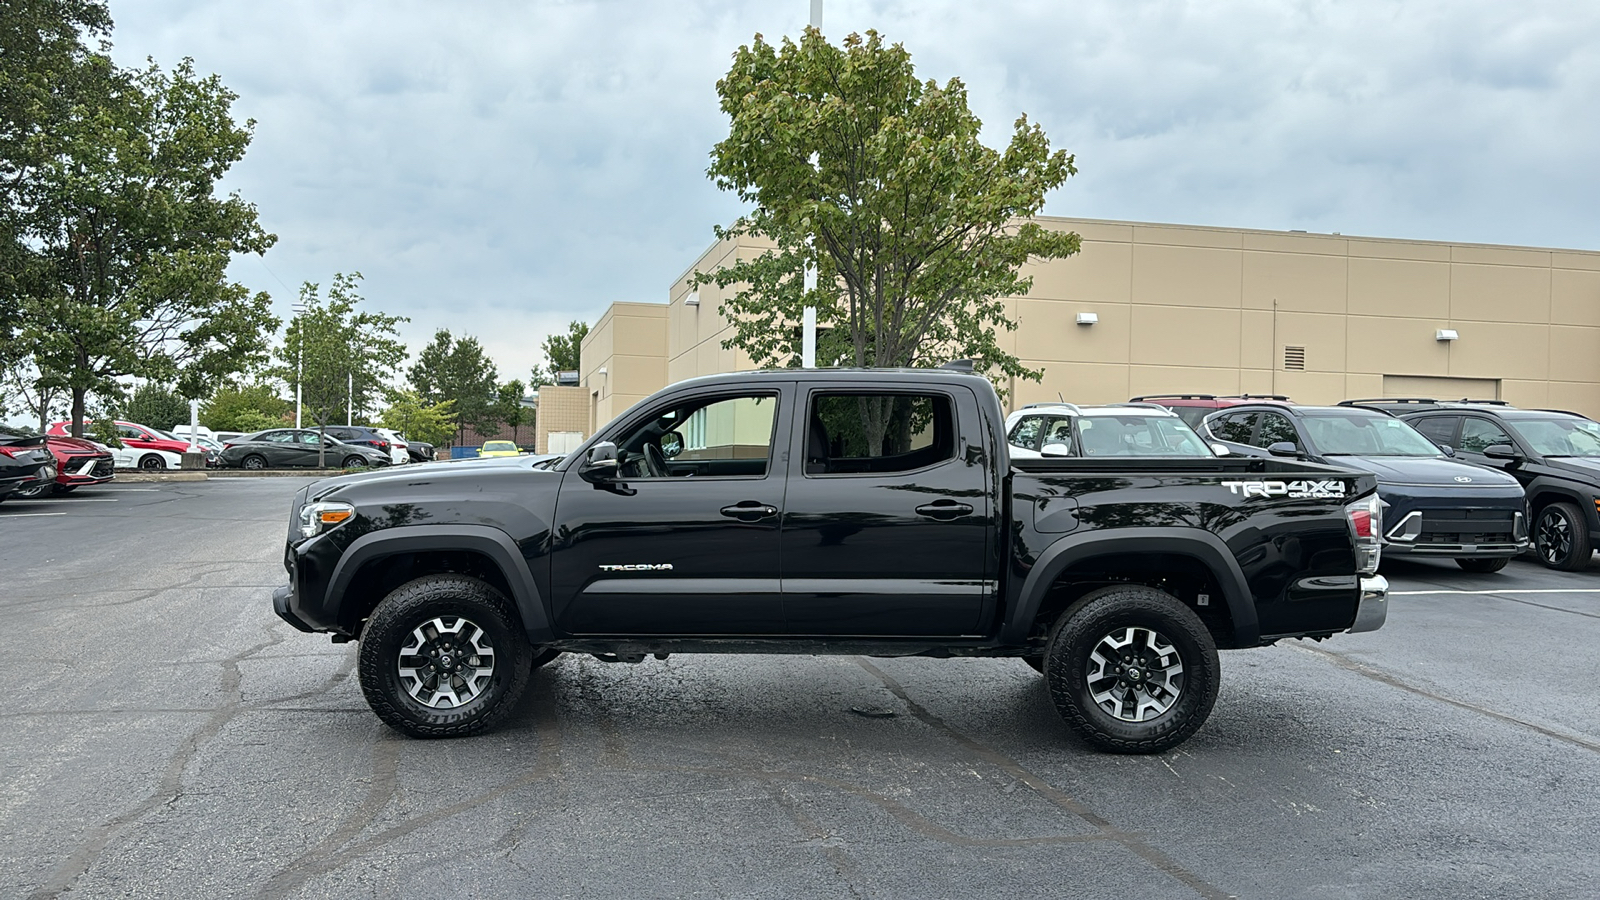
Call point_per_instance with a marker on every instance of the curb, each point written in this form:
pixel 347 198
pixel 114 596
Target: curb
pixel 137 477
pixel 140 477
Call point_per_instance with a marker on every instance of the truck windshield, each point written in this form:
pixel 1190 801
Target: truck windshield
pixel 1356 434
pixel 1136 435
pixel 1559 437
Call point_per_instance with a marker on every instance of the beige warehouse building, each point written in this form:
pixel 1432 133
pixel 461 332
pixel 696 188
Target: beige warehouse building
pixel 1192 309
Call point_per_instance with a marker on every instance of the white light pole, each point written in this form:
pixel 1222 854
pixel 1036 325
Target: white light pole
pixel 299 351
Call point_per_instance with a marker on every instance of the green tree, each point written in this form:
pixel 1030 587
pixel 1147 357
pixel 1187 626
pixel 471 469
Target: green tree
pixel 419 420
pixel 561 354
pixel 132 241
pixel 917 229
pixel 340 357
pixel 157 407
pixel 24 389
pixel 245 408
pixel 459 371
pixel 509 409
pixel 43 56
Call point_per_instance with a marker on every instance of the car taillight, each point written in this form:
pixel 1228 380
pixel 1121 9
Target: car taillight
pixel 8 452
pixel 227 445
pixel 384 446
pixel 1366 524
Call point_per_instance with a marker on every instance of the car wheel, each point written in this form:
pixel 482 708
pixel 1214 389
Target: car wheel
pixel 1132 670
pixel 152 463
pixel 1482 565
pixel 355 462
pixel 1561 537
pixel 33 491
pixel 443 656
pixel 254 462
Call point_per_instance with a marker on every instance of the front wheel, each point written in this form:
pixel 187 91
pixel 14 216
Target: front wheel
pixel 355 462
pixel 443 656
pixel 1561 535
pixel 254 463
pixel 1132 670
pixel 34 491
pixel 1483 566
pixel 152 463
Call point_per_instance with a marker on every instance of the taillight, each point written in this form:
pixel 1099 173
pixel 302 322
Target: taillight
pixel 1366 524
pixel 384 446
pixel 8 452
pixel 226 445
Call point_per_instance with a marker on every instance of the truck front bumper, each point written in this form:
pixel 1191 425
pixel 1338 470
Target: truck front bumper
pixel 1373 607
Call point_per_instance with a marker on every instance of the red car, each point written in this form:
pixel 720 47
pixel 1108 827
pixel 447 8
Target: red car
pixel 1193 408
pixel 138 437
pixel 78 462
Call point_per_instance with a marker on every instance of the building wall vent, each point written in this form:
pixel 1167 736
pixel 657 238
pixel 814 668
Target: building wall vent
pixel 1294 358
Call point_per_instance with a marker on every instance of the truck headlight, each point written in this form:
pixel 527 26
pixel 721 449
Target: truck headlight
pixel 325 515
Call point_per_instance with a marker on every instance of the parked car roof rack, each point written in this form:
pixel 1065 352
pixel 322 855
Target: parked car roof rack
pixel 1140 405
pixel 1484 402
pixel 1062 403
pixel 1256 397
pixel 1172 397
pixel 1396 400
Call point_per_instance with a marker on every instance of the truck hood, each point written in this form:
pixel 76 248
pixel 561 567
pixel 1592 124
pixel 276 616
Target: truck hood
pixel 1584 467
pixel 1430 471
pixel 458 474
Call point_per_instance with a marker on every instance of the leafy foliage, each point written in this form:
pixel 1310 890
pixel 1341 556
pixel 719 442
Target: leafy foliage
pixel 561 353
pixel 419 420
pixel 916 228
pixel 157 407
pixel 509 409
pixel 460 371
pixel 127 243
pixel 338 355
pixel 246 408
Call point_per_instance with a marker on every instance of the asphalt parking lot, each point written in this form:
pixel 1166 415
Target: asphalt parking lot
pixel 166 735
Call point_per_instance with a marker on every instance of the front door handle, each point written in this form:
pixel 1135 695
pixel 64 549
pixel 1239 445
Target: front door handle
pixel 749 510
pixel 944 509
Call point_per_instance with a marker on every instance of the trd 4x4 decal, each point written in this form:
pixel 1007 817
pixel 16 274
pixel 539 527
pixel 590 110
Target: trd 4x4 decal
pixel 1295 490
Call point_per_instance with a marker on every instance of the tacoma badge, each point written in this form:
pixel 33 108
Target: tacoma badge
pixel 639 567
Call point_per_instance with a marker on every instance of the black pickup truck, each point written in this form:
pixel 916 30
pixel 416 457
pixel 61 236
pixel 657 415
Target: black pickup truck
pixel 872 512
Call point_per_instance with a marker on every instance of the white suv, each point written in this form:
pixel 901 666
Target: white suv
pixel 1120 429
pixel 398 454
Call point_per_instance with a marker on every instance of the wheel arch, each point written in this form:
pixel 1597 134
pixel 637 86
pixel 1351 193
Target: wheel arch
pixel 1543 493
pixel 1174 551
pixel 376 563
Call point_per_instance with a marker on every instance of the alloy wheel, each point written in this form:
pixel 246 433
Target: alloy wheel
pixel 1135 674
pixel 152 463
pixel 1554 536
pixel 446 663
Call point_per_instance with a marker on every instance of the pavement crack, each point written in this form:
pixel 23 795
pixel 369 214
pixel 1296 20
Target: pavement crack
pixel 168 790
pixel 1134 843
pixel 1382 677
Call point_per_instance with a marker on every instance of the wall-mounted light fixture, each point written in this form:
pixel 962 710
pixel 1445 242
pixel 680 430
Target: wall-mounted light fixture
pixel 1446 334
pixel 692 300
pixel 1088 318
pixel 600 371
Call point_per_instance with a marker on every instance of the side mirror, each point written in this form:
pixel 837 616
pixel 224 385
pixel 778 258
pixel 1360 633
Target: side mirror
pixel 1220 450
pixel 1447 450
pixel 1055 450
pixel 1284 448
pixel 1502 451
pixel 601 466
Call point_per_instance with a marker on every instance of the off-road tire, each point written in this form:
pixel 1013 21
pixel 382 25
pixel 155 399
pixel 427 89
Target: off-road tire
pixel 1577 551
pixel 420 601
pixel 1081 628
pixel 1483 565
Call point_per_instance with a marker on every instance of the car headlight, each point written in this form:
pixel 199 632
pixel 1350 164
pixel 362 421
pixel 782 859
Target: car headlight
pixel 324 515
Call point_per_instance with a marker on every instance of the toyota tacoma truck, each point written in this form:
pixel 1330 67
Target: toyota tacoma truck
pixel 872 512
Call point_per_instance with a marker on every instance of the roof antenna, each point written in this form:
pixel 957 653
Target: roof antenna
pixel 1059 397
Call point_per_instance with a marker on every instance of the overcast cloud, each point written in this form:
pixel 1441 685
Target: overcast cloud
pixel 499 168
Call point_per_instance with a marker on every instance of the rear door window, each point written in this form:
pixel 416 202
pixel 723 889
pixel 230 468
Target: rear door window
pixel 1234 427
pixel 1025 433
pixel 858 433
pixel 1276 428
pixel 1439 429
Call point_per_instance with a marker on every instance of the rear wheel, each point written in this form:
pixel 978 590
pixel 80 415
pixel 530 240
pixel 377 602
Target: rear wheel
pixel 150 462
pixel 254 462
pixel 1132 670
pixel 443 656
pixel 1561 536
pixel 1482 565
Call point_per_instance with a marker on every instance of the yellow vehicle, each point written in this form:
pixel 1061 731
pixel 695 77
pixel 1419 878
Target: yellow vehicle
pixel 499 448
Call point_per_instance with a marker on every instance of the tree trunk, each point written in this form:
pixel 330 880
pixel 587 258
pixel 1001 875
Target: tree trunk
pixel 77 412
pixel 322 446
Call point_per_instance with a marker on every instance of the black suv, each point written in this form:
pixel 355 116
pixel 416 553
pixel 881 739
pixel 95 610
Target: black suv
pixel 1554 454
pixel 1432 505
pixel 359 434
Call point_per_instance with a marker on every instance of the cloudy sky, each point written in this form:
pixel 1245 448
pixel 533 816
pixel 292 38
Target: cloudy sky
pixel 499 168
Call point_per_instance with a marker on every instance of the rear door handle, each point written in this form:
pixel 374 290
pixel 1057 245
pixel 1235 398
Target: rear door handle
pixel 944 509
pixel 749 510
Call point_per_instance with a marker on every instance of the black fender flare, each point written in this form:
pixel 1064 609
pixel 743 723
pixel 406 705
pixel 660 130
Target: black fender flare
pixel 1543 484
pixel 1202 546
pixel 488 541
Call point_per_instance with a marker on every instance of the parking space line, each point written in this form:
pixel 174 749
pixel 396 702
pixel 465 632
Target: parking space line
pixel 12 515
pixel 1511 591
pixel 80 500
